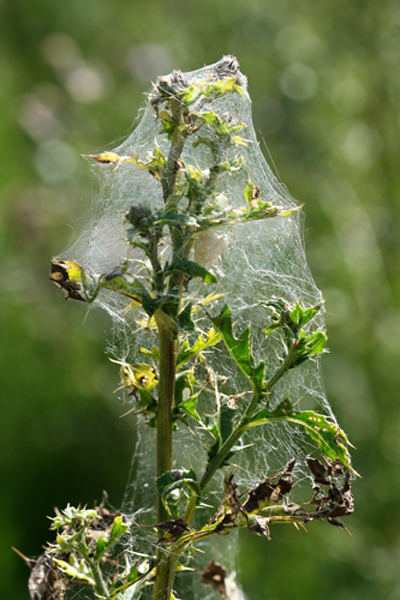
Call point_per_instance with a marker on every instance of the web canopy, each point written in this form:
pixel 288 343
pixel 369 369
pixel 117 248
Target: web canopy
pixel 254 262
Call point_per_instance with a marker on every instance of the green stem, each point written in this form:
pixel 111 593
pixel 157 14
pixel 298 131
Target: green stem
pixel 100 584
pixel 162 588
pixel 240 429
pixel 152 253
pixel 221 455
pixel 285 366
pixel 166 389
pixel 177 142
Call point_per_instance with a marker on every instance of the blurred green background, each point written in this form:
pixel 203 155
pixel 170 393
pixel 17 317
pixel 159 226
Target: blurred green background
pixel 324 79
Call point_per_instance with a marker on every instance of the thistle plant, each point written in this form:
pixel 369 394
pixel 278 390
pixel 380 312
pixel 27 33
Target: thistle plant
pixel 204 371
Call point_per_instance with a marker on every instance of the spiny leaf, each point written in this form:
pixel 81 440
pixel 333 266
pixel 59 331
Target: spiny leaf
pixel 184 380
pixel 75 572
pixel 185 320
pixel 193 269
pixel 189 406
pixel 188 352
pixel 174 218
pixel 118 529
pixel 225 421
pixel 239 348
pixel 139 376
pixel 330 438
pixel 101 547
pixel 174 486
pixel 117 281
pixel 126 581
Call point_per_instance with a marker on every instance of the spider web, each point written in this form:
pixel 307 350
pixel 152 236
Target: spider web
pixel 254 262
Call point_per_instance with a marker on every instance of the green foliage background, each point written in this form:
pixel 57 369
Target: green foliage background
pixel 324 78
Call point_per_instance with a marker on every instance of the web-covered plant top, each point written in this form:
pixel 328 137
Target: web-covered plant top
pixel 205 371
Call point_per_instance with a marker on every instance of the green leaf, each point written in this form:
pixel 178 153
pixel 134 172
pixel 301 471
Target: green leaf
pixel 306 346
pixel 78 572
pixel 175 487
pixel 118 529
pixel 189 406
pixel 193 269
pixel 101 547
pixel 251 193
pixel 316 342
pixel 103 544
pixel 212 451
pixel 308 314
pixel 239 348
pixel 184 380
pixel 134 575
pixel 116 281
pixel 225 423
pixel 184 319
pixel 221 429
pixel 125 582
pixel 296 313
pixel 188 352
pixel 154 353
pixel 330 438
pixel 264 210
pixel 173 218
pixel 171 477
pixel 289 317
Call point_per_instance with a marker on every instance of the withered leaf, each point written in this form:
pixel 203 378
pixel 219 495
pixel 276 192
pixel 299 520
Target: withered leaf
pixel 46 581
pixel 267 491
pixel 318 470
pixel 232 497
pixel 261 526
pixel 285 482
pixel 68 275
pixel 214 575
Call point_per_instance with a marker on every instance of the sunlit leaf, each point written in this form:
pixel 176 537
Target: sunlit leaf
pixel 188 352
pixel 239 348
pixel 189 406
pixel 330 438
pixel 118 529
pixel 193 269
pixel 74 572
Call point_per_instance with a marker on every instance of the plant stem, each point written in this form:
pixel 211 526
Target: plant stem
pixel 166 388
pixel 100 585
pixel 241 427
pixel 285 366
pixel 221 455
pixel 162 588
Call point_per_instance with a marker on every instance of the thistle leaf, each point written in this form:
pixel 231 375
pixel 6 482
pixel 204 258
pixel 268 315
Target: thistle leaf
pixel 328 435
pixel 240 349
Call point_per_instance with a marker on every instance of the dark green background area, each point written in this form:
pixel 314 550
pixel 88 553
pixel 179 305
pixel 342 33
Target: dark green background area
pixel 324 79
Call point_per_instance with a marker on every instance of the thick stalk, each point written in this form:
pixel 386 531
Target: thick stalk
pixel 162 589
pixel 168 340
pixel 166 388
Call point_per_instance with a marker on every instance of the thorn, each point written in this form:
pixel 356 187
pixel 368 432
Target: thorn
pixel 304 528
pixel 85 318
pixel 29 561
